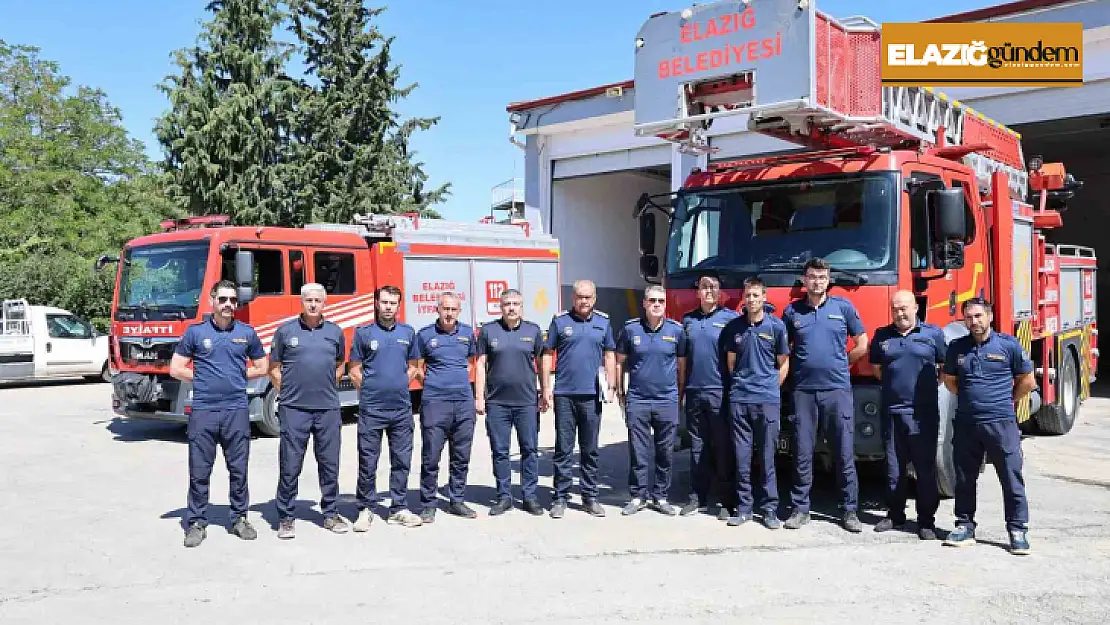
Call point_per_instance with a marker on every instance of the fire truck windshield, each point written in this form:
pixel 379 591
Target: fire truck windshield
pixel 162 282
pixel 771 229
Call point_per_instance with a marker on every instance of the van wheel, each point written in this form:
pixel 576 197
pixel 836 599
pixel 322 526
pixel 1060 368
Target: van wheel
pixel 1060 416
pixel 105 375
pixel 270 424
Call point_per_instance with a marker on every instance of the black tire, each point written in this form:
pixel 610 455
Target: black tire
pixel 269 424
pixel 1059 417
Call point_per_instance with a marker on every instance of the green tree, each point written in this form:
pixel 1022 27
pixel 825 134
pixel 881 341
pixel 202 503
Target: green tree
pixel 73 186
pixel 357 146
pixel 227 135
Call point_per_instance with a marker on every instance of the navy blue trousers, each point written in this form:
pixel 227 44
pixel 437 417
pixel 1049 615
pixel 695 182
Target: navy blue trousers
pixel 712 461
pixel 448 422
pixel 910 439
pixel 576 416
pixel 230 430
pixel 399 426
pixel 325 428
pixel 755 430
pixel 501 419
pixel 1001 441
pixel 652 426
pixel 832 414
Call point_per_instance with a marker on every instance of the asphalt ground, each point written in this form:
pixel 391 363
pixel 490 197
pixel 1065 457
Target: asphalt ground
pixel 91 527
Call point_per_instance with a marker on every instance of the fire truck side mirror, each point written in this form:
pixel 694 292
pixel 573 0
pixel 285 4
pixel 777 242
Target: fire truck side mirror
pixel 949 227
pixel 244 275
pixel 649 268
pixel 647 234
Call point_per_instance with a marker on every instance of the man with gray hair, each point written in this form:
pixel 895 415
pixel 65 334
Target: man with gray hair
pixel 307 360
pixel 447 411
pixel 509 350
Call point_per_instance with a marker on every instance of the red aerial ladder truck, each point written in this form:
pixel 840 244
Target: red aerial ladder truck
pixel 896 187
pixel 163 281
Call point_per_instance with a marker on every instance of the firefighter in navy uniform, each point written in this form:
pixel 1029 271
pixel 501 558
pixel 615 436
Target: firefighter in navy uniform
pixel 711 455
pixel 447 411
pixel 758 361
pixel 907 354
pixel 653 351
pixel 819 326
pixel 505 391
pixel 307 360
pixel 583 341
pixel 219 348
pixel 988 372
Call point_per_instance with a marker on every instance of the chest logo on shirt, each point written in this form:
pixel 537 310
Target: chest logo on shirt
pixel 764 335
pixel 960 360
pixel 293 342
pixel 739 338
pixel 374 345
pixel 837 317
pixel 636 340
pixel 240 341
pixel 526 339
pixel 463 339
pixel 797 323
pixel 433 343
pixel 718 325
pixel 401 341
pixel 998 357
pixel 493 343
pixel 885 345
pixel 567 331
pixel 207 343
pixel 669 338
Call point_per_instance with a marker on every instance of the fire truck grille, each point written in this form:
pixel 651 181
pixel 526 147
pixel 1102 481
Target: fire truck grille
pixel 156 353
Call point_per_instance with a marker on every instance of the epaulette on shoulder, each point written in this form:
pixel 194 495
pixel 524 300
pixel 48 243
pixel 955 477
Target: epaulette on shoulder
pixel 602 313
pixel 669 320
pixel 562 313
pixel 632 321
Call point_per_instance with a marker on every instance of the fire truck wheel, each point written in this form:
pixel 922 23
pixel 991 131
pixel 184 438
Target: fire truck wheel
pixel 946 465
pixel 1059 417
pixel 269 424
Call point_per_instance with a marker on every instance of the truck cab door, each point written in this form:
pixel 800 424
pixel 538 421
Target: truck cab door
pixel 70 346
pixel 936 291
pixel 974 280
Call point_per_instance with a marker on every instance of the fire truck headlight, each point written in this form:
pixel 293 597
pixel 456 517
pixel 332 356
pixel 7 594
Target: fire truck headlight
pixel 870 409
pixel 867 430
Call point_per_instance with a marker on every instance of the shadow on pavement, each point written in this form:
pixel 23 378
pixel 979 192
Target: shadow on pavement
pixel 137 430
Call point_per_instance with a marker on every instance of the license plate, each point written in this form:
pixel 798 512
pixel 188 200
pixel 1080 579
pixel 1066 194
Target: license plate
pixel 147 354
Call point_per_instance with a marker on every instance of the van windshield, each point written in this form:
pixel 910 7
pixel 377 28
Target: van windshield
pixel 771 229
pixel 162 282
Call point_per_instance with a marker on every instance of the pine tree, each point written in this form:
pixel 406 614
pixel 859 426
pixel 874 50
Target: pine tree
pixel 227 135
pixel 356 147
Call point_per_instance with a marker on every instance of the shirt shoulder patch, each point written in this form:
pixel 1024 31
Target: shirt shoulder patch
pixel 601 313
pixel 632 321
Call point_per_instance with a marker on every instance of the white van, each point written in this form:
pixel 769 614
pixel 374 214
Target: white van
pixel 43 342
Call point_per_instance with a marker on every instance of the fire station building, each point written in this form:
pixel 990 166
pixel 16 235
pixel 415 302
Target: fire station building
pixel 585 168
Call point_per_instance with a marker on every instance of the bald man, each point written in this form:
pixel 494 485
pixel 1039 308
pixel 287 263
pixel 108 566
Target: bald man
pixel 908 354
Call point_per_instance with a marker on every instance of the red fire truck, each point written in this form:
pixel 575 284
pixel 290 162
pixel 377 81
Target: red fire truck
pixel 896 187
pixel 163 281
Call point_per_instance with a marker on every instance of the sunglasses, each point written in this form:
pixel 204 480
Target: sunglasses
pixel 657 300
pixel 223 299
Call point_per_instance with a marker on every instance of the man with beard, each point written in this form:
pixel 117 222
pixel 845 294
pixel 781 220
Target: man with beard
pixel 505 391
pixel 583 340
pixel 907 354
pixel 819 326
pixel 306 364
pixel 711 456
pixel 218 349
pixel 383 364
pixel 758 362
pixel 988 372
pixel 653 351
pixel 447 410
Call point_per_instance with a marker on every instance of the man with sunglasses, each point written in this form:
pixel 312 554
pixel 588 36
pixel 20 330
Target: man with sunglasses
pixel 711 455
pixel 307 360
pixel 653 351
pixel 988 372
pixel 218 349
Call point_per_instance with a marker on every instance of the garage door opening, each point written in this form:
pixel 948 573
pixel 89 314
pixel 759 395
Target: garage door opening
pixel 592 217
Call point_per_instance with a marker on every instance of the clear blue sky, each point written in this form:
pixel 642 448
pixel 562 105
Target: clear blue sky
pixel 470 58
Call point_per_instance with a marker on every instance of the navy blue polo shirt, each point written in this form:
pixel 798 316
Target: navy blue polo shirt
pixel 446 355
pixel 704 369
pixel 909 363
pixel 385 354
pixel 986 376
pixel 308 357
pixel 511 357
pixel 579 345
pixel 820 342
pixel 755 376
pixel 652 358
pixel 220 363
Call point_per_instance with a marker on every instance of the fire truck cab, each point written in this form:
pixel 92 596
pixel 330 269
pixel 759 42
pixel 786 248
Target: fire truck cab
pixel 896 187
pixel 164 279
